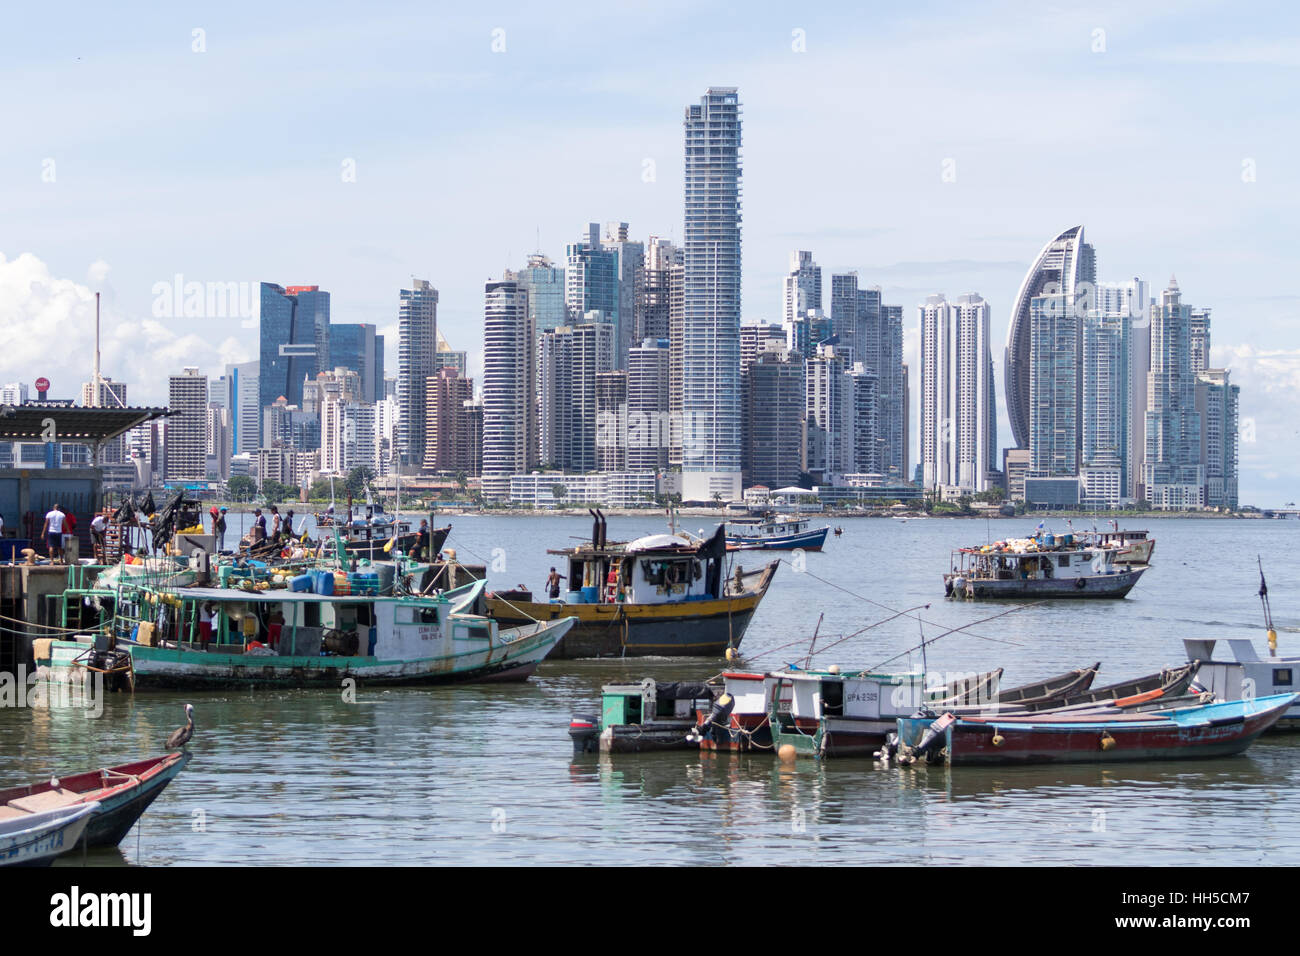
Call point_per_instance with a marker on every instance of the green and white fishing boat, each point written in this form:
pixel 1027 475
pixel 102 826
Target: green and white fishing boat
pixel 207 637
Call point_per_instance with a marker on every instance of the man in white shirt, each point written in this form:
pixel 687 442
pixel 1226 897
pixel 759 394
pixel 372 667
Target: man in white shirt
pixel 53 533
pixel 98 526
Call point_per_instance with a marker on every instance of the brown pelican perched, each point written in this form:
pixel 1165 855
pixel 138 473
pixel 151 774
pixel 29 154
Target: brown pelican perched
pixel 181 735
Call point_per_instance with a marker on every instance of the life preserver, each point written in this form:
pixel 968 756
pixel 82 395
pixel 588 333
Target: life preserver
pixel 1081 583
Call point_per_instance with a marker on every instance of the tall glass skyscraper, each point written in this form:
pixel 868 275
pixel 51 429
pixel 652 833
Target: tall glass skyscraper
pixel 358 348
pixel 711 399
pixel 1173 472
pixel 294 332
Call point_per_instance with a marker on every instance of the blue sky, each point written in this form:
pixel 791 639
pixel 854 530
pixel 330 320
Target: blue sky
pixel 226 165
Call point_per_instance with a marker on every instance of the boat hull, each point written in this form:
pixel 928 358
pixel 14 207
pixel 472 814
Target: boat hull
pixel 972 743
pixel 48 835
pixel 156 668
pixel 804 540
pixel 1114 585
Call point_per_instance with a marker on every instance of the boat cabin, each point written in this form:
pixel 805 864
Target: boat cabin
pixel 656 569
pixel 989 563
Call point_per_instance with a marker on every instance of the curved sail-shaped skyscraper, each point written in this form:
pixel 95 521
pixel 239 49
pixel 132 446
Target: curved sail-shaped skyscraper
pixel 1060 267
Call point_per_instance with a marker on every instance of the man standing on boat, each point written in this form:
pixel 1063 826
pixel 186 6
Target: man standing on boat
pixel 422 541
pixel 259 526
pixel 553 583
pixel 98 531
pixel 275 523
pixel 219 529
pixel 53 533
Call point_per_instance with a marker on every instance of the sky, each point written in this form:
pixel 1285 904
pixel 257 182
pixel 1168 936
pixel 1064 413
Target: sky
pixel 931 147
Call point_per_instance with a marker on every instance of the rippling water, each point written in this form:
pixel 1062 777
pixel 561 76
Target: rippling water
pixel 485 774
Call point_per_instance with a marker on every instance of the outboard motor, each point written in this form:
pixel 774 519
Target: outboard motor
pixel 718 723
pixel 932 740
pixel 584 731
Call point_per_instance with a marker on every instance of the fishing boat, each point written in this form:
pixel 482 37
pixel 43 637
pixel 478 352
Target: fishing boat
pixel 118 794
pixel 1133 546
pixel 1245 674
pixel 1165 683
pixel 285 638
pixel 662 594
pixel 1199 731
pixel 377 534
pixel 646 716
pixel 834 714
pixel 1041 567
pixel 35 839
pixel 774 532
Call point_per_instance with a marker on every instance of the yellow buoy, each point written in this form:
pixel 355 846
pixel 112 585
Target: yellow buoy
pixel 1272 641
pixel 732 654
pixel 787 753
pixel 1107 741
pixel 998 740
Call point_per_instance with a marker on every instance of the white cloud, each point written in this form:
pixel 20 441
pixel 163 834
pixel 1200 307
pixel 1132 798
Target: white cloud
pixel 47 326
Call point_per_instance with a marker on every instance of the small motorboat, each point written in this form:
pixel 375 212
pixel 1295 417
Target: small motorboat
pixel 35 839
pixel 774 532
pixel 1216 729
pixel 119 794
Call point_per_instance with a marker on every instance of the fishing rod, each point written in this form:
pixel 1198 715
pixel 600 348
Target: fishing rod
pixel 1268 612
pixel 954 630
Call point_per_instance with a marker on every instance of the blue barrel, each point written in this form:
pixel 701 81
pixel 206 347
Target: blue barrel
pixel 574 597
pixel 589 595
pixel 324 582
pixel 302 582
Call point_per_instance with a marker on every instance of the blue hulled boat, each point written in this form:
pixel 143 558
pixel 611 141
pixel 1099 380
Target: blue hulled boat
pixel 774 533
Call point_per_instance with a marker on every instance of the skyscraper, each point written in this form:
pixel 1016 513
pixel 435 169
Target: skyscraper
pixel 829 408
pixel 1053 387
pixel 357 347
pixel 417 344
pixel 775 397
pixel 572 360
pixel 1061 268
pixel 449 395
pixel 648 431
pixel 546 293
pixel 186 441
pixel 802 287
pixel 244 401
pixel 611 421
pixel 294 329
pixel 1173 473
pixel 957 449
pixel 631 285
pixel 711 400
pixel 1216 401
pixel 509 386
pixel 661 256
pixel 591 280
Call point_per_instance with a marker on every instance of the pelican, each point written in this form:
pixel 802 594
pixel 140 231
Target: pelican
pixel 181 735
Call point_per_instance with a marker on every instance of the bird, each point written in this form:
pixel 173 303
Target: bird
pixel 181 735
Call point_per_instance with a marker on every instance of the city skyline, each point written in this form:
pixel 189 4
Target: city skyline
pixel 1221 261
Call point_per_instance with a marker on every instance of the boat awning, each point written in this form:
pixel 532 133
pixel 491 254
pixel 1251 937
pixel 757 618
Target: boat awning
pixel 71 423
pixel 793 491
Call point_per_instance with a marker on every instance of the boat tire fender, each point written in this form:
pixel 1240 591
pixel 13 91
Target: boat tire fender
pixel 1081 583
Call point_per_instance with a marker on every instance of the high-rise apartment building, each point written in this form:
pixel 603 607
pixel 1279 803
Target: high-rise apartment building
pixel 801 289
pixel 1216 401
pixel 631 287
pixel 572 359
pixel 829 408
pixel 509 386
pixel 653 315
pixel 1053 387
pixel 711 399
pixel 417 346
pixel 648 428
pixel 1173 472
pixel 446 449
pixel 186 440
pixel 958 412
pixel 775 402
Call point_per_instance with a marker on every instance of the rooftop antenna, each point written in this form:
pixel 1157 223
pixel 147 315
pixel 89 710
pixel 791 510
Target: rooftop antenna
pixel 1268 612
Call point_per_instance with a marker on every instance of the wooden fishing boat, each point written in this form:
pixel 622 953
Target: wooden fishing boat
pixel 35 839
pixel 661 595
pixel 1200 731
pixel 773 532
pixel 646 716
pixel 1055 688
pixel 1041 567
pixel 283 638
pixel 119 794
pixel 1169 682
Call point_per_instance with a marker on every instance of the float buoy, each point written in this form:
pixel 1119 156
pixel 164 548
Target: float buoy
pixel 787 753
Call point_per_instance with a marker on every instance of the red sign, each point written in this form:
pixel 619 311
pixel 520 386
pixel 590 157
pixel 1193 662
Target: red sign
pixel 42 384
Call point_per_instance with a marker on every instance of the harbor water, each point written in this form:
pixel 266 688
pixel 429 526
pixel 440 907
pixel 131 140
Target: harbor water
pixel 485 774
